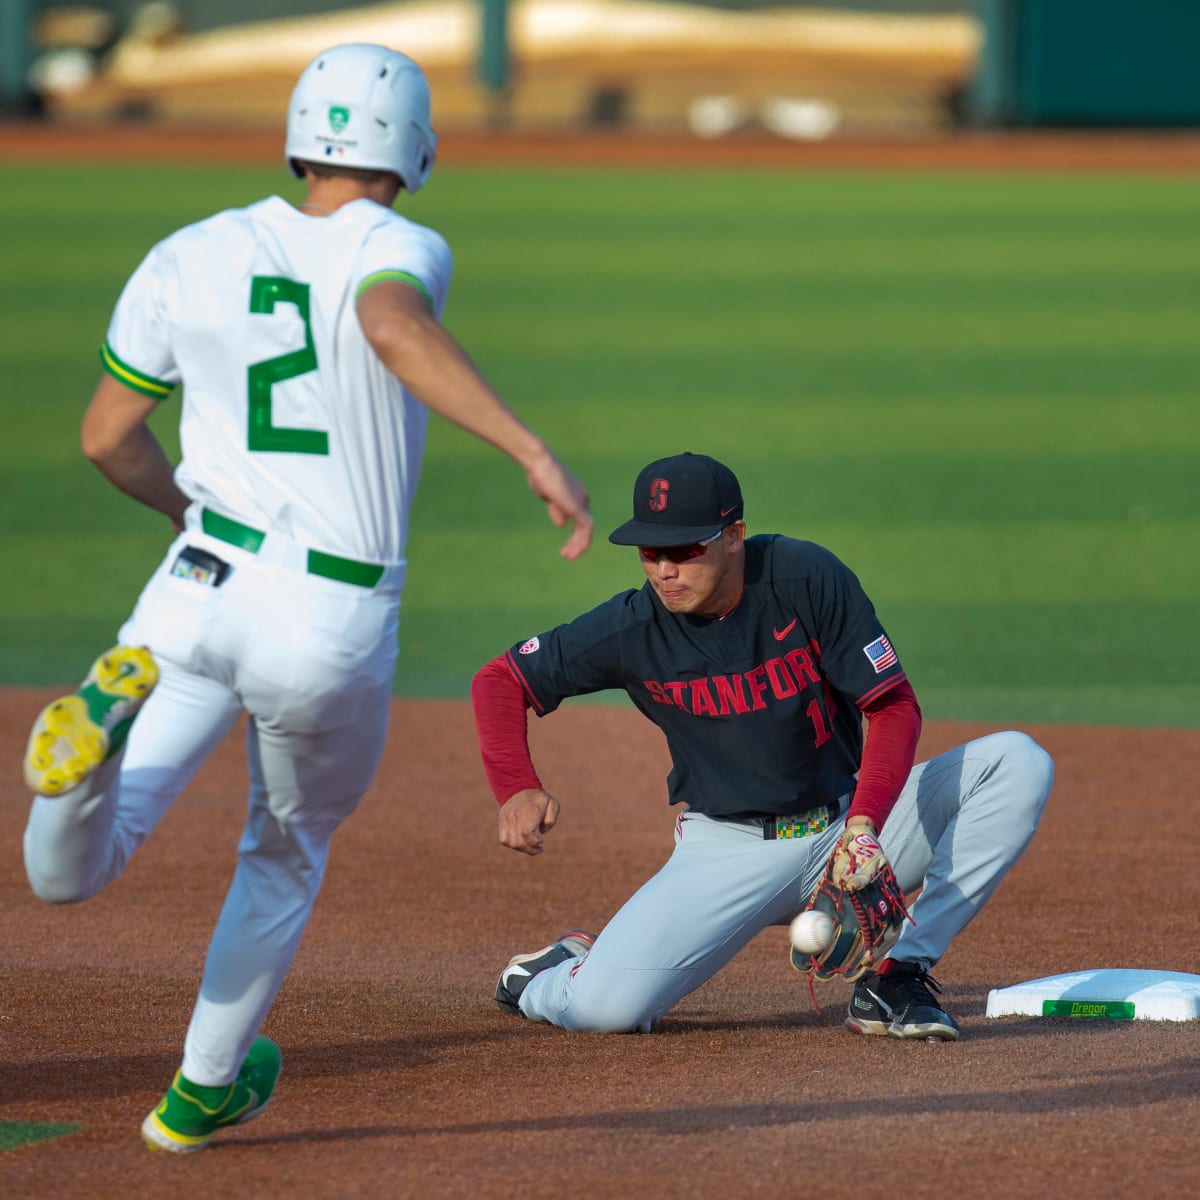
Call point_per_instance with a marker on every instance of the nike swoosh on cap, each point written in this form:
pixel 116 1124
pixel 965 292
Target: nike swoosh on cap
pixel 726 511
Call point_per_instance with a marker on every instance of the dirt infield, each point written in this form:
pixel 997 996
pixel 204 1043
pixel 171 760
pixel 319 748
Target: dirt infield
pixel 1158 151
pixel 402 1078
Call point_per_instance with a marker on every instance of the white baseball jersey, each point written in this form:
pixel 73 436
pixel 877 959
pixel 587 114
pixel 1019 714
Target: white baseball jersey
pixel 290 422
pixel 281 598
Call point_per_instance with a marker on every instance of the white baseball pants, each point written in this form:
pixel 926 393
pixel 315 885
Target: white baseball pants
pixel 311 662
pixel 961 822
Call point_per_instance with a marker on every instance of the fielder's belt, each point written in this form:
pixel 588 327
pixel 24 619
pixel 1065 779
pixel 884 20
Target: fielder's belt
pixel 782 827
pixel 328 566
pixel 801 825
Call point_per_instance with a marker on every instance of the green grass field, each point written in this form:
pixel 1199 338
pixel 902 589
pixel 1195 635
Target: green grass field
pixel 980 391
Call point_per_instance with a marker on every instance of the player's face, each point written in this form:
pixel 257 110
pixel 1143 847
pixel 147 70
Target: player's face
pixel 704 579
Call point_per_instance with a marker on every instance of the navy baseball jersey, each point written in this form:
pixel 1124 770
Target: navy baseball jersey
pixel 761 707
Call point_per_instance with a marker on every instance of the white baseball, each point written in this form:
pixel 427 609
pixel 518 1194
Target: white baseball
pixel 811 932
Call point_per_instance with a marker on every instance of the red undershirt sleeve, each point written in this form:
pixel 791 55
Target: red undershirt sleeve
pixel 893 730
pixel 499 703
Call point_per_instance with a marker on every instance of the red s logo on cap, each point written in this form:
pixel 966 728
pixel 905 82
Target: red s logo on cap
pixel 658 494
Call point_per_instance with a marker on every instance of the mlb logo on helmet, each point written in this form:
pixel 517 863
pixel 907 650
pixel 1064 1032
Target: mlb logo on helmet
pixel 383 94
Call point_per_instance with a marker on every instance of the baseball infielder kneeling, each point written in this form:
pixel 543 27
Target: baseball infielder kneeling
pixel 758 658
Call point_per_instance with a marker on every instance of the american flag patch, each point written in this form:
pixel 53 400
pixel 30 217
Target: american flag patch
pixel 881 654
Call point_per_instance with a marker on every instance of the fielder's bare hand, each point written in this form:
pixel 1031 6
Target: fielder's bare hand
pixel 566 500
pixel 525 817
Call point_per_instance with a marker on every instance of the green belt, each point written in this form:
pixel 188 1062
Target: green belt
pixel 330 566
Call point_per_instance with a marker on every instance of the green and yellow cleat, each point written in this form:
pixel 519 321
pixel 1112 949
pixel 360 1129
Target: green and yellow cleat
pixel 189 1114
pixel 73 735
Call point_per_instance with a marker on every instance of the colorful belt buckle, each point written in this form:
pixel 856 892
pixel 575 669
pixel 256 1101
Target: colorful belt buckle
pixel 803 825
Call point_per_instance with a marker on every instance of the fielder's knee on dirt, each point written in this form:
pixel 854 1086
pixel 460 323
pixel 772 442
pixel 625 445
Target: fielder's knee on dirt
pixel 620 1004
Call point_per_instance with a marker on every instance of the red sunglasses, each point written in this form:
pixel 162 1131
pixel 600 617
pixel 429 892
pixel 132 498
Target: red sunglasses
pixel 677 554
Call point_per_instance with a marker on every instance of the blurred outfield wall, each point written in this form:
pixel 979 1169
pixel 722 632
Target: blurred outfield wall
pixel 800 70
pixel 199 15
pixel 717 67
pixel 1089 63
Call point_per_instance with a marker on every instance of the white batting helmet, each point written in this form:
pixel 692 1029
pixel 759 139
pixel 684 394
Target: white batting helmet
pixel 361 105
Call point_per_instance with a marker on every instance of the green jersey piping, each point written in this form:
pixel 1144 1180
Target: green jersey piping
pixel 123 373
pixel 398 277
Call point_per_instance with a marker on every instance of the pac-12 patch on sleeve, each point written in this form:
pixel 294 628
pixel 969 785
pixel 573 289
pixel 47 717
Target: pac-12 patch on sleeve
pixel 880 653
pixel 530 647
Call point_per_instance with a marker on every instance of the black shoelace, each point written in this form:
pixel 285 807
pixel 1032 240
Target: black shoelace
pixel 918 985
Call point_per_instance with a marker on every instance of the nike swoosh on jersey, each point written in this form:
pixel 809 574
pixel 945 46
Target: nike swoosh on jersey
pixel 780 634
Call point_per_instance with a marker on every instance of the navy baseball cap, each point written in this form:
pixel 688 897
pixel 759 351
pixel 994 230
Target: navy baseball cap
pixel 685 498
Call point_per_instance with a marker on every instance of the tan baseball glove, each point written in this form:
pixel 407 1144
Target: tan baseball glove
pixel 860 892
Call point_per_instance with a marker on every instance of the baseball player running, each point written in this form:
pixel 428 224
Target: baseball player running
pixel 758 658
pixel 309 347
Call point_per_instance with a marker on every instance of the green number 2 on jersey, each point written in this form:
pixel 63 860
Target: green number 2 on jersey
pixel 266 291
